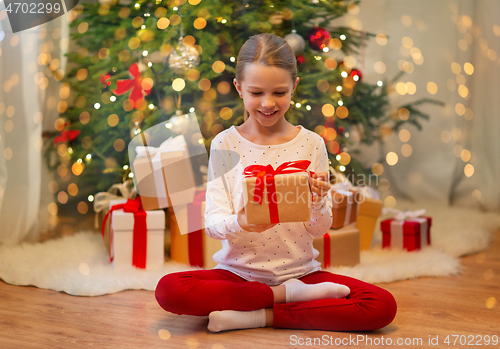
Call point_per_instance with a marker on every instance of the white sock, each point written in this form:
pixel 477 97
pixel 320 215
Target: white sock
pixel 234 320
pixel 297 291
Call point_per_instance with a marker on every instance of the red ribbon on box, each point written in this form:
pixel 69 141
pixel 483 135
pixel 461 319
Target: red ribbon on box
pixel 195 240
pixel 140 235
pixel 265 179
pixel 327 251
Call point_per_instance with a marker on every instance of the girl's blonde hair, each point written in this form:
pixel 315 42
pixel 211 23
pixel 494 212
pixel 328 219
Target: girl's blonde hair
pixel 266 49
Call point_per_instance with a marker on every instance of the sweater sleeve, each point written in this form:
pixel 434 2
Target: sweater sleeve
pixel 221 220
pixel 321 215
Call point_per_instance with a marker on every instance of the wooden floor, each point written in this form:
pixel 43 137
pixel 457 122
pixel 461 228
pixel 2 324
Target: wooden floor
pixel 428 308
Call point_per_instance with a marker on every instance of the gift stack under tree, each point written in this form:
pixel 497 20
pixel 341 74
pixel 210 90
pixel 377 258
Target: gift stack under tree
pixel 133 226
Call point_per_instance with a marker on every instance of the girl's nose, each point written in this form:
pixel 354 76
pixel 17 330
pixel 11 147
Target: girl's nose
pixel 268 102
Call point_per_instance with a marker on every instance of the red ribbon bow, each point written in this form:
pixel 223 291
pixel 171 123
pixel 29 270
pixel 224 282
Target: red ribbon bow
pixel 136 95
pixel 265 178
pixel 140 235
pixel 66 135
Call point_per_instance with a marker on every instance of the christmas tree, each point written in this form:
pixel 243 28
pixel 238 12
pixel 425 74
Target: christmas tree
pixel 136 64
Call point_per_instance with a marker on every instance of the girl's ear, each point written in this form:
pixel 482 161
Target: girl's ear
pixel 238 87
pixel 295 85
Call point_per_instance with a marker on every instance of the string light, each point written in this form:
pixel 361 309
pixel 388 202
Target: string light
pixel 137 6
pixel 144 53
pixel 232 59
pixel 112 98
pixel 191 110
pixel 298 105
pixel 342 37
pixel 125 167
pixel 151 106
pixel 97 106
pixel 88 156
pixel 90 198
pixel 379 83
pixel 130 175
pixel 308 107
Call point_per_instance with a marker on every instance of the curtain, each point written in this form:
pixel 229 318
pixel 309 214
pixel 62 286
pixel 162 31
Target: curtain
pixel 455 158
pixel 28 99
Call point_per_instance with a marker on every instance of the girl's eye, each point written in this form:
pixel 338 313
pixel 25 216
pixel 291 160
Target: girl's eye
pixel 280 93
pixel 256 93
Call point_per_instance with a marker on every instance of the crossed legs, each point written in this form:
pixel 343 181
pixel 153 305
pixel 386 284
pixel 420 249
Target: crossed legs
pixel 363 307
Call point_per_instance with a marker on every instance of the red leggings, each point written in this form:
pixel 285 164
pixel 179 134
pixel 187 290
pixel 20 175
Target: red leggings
pixel 200 292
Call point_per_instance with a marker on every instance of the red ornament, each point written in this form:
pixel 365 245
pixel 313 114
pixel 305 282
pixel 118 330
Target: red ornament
pixel 356 72
pixel 66 135
pixel 300 59
pixel 104 80
pixel 137 94
pixel 318 38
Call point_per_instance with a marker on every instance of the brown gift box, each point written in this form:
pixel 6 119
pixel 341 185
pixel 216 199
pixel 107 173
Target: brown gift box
pixel 341 200
pixel 293 198
pixel 155 195
pixel 338 247
pixel 179 244
pixel 368 213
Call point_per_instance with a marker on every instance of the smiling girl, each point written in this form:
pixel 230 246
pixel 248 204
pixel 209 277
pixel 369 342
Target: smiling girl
pixel 267 274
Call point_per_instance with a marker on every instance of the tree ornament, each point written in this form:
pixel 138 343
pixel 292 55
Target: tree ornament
pixel 184 58
pixel 296 42
pixel 137 92
pixel 300 59
pixel 356 74
pixel 105 80
pixel 318 38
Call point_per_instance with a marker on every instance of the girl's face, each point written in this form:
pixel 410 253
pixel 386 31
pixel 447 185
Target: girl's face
pixel 266 92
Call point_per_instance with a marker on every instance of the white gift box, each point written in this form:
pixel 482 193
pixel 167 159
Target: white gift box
pixel 121 238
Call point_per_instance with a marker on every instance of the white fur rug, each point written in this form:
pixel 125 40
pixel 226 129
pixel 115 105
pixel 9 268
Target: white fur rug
pixel 79 265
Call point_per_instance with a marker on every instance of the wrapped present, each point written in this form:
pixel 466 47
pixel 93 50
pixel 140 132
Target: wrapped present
pixel 119 191
pixel 346 200
pixel 164 175
pixel 281 195
pixel 408 230
pixel 339 247
pixel 344 207
pixel 368 213
pixel 136 236
pixel 195 248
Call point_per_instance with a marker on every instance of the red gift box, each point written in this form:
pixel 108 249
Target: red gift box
pixel 411 234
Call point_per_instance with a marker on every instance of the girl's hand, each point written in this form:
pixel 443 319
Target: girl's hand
pixel 255 228
pixel 320 186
